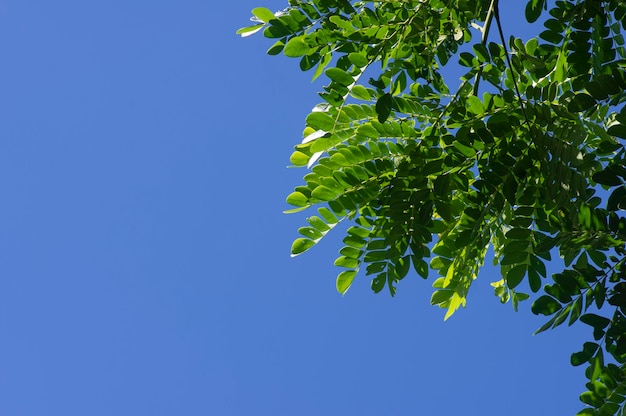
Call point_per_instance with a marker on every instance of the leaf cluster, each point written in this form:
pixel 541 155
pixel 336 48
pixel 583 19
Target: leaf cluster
pixel 524 155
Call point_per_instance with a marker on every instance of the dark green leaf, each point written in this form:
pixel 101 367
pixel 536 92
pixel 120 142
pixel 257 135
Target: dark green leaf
pixel 595 321
pixel 515 257
pixel 519 233
pixel 383 107
pixel 545 305
pixel 515 275
pixel 276 48
pixel 581 102
pixel 618 130
pixel 481 52
pixel 378 283
pixel 607 177
pixel 589 349
pixel 613 203
pixel 533 9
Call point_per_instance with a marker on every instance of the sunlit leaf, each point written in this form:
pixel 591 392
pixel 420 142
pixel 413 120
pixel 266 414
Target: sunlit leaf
pixel 301 245
pixel 344 281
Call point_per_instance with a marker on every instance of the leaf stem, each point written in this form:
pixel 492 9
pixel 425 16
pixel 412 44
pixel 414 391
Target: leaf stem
pixel 493 7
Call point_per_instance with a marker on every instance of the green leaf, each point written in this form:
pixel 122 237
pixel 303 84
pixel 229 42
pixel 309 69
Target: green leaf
pixel 420 266
pixel 378 283
pixel 475 105
pixel 297 47
pixel 545 305
pixel 276 48
pixel 350 252
pixel 328 216
pixel 613 203
pixel 318 224
pixel 339 76
pixel 402 266
pixel 499 124
pixel 358 59
pixel 310 232
pixel 589 349
pixel 297 199
pixel 265 15
pixel 581 102
pixel 441 296
pixel 515 257
pixel 596 321
pixel 323 193
pixel 515 275
pixel 617 130
pixel 551 36
pixel 481 52
pixel 326 58
pixel 383 107
pixel 607 177
pixel 519 233
pixel 347 262
pixel 299 158
pixel 249 30
pixel 360 92
pixel 320 120
pixel 301 245
pixel 533 10
pixel 344 281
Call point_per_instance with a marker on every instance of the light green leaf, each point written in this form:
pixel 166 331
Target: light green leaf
pixel 249 30
pixel 358 59
pixel 328 216
pixel 344 281
pixel 347 262
pixel 339 76
pixel 360 92
pixel 299 158
pixel 323 193
pixel 475 105
pixel 321 121
pixel 265 15
pixel 301 245
pixel 296 47
pixel 441 296
pixel 297 199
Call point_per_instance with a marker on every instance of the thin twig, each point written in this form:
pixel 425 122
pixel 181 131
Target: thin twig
pixel 493 7
pixel 508 61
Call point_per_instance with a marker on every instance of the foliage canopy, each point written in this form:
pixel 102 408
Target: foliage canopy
pixel 524 156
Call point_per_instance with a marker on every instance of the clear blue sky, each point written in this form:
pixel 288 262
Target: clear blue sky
pixel 144 256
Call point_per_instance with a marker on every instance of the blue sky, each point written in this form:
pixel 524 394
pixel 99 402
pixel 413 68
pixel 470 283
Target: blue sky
pixel 144 256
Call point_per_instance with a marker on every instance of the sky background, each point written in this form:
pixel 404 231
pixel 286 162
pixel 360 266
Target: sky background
pixel 144 256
